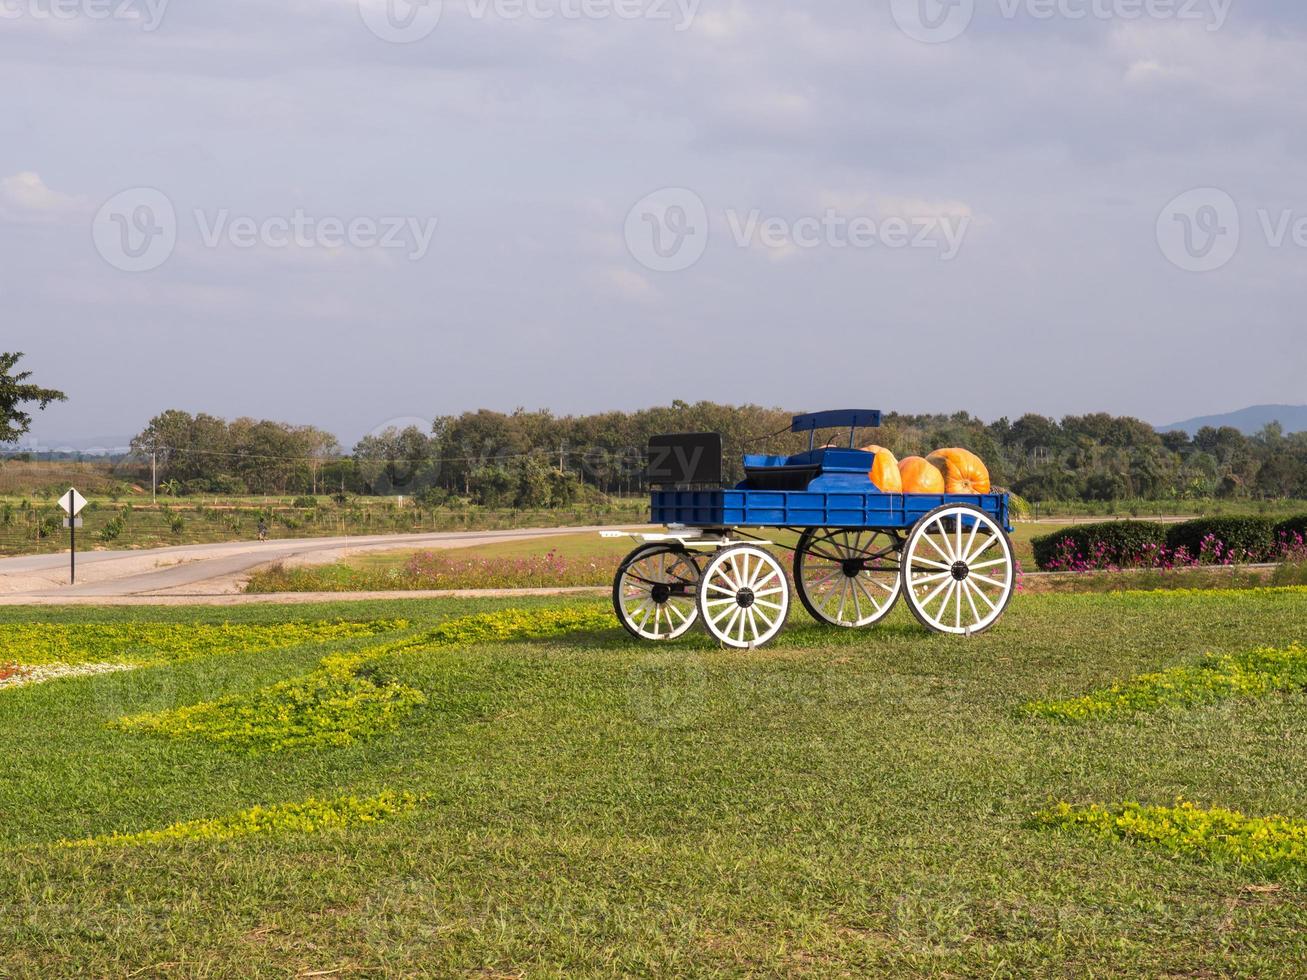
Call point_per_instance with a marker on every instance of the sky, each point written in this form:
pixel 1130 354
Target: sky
pixel 355 212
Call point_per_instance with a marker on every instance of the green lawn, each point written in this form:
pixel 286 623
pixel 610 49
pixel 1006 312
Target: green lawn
pixel 837 804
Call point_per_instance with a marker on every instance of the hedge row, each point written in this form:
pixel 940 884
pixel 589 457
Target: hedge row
pixel 1148 543
pixel 1111 543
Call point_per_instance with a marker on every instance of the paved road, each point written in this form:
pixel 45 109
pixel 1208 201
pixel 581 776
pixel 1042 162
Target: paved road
pixel 212 569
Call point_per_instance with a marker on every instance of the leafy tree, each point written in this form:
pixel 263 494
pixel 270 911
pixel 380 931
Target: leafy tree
pixel 15 392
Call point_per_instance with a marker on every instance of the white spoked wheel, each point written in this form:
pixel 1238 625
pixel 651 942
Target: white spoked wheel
pixel 655 592
pixel 958 570
pixel 744 597
pixel 847 578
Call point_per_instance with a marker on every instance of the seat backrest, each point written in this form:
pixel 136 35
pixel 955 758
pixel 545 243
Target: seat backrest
pixel 690 457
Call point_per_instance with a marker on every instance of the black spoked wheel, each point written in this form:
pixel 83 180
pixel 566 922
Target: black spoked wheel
pixel 655 592
pixel 848 578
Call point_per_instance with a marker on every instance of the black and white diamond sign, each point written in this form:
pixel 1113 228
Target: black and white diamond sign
pixel 72 502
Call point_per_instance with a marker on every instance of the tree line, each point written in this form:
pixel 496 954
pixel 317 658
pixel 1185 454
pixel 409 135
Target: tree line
pixel 538 459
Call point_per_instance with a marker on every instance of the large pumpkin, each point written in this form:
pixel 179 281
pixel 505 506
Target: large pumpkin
pixel 920 476
pixel 963 471
pixel 885 470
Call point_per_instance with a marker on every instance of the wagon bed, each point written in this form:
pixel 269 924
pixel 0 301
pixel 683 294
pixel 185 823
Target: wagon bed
pixel 804 509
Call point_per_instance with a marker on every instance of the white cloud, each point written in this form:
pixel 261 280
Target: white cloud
pixel 629 283
pixel 26 191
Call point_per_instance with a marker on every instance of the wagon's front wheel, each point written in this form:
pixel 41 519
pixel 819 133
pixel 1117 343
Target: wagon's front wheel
pixel 847 578
pixel 655 592
pixel 958 570
pixel 744 597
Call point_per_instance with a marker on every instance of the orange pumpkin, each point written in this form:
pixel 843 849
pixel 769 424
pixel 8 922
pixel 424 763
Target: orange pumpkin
pixel 885 470
pixel 920 476
pixel 963 471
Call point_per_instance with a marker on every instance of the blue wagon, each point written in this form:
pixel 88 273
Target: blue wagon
pixel 859 549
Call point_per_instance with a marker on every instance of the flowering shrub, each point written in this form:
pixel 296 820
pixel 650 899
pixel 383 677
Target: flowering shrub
pixel 1249 539
pixel 348 697
pixel 441 570
pixel 1216 834
pixel 1081 550
pixel 310 817
pixel 32 644
pixel 1215 678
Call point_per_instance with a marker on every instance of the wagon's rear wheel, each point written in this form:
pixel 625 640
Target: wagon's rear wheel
pixel 847 578
pixel 744 597
pixel 655 592
pixel 958 570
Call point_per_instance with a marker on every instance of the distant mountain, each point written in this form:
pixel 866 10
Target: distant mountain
pixel 1249 421
pixel 91 445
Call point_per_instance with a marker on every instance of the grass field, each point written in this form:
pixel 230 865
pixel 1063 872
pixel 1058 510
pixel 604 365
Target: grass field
pixel 837 804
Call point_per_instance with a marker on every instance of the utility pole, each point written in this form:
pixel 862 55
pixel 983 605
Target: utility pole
pixel 154 470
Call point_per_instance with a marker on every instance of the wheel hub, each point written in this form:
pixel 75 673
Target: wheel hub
pixel 661 593
pixel 745 598
pixel 961 571
pixel 852 567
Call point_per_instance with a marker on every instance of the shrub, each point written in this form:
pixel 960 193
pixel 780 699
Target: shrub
pixel 177 523
pixel 1254 674
pixel 112 529
pixel 1217 834
pixel 1224 540
pixel 305 502
pixel 1294 527
pixel 1114 543
pixel 311 816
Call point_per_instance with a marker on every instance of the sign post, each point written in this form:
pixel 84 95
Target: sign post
pixel 72 503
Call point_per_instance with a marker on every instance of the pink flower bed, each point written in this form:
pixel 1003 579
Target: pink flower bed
pixel 1211 553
